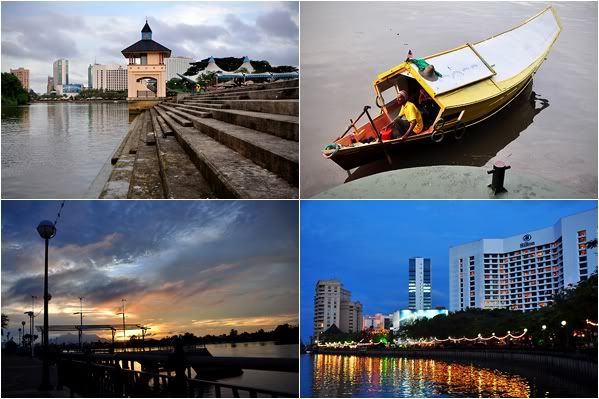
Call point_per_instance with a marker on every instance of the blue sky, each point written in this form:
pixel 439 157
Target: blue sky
pixel 197 266
pixel 35 34
pixel 367 244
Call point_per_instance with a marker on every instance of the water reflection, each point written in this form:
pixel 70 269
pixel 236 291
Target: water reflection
pixel 341 376
pixel 56 150
pixel 480 143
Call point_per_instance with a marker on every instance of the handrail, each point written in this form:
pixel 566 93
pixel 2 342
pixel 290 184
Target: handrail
pixel 83 377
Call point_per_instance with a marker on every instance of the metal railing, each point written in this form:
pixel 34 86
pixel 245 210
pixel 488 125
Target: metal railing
pixel 100 380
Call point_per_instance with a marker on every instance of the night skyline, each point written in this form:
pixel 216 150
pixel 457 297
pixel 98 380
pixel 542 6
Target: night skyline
pixel 333 244
pixel 183 266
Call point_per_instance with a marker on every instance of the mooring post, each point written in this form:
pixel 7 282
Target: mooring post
pixel 498 172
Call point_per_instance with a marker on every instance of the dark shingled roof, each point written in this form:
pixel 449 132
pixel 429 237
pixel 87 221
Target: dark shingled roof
pixel 146 28
pixel 145 46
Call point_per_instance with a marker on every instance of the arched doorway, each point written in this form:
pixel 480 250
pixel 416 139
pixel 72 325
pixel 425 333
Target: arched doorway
pixel 147 87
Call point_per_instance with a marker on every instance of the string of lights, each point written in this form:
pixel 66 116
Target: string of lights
pixel 591 323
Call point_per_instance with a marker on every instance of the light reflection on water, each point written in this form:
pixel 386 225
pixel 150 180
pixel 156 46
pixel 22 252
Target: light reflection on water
pixel 343 376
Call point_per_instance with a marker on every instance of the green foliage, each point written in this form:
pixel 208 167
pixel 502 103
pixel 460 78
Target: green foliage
pixel 233 64
pixel 104 94
pixel 574 305
pixel 13 92
pixel 206 79
pixel 5 320
pixel 179 85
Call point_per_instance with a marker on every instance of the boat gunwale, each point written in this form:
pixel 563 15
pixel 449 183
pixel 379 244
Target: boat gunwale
pixel 391 73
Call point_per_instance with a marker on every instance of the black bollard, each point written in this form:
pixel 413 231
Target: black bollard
pixel 498 172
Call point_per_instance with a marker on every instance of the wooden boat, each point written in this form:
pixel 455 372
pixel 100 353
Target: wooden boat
pixel 476 81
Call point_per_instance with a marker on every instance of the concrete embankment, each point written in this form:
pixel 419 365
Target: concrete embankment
pixel 565 366
pixel 234 143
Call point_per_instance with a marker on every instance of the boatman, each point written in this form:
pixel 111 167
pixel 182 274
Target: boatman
pixel 409 119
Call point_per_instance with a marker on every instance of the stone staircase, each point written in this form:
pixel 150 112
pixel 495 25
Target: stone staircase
pixel 234 143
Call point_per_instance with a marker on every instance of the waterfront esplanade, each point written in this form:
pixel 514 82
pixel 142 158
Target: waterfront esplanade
pixel 146 65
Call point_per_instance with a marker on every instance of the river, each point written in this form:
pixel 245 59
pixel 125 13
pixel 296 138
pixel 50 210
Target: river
pixel 360 376
pixel 274 380
pixel 55 150
pixel 551 133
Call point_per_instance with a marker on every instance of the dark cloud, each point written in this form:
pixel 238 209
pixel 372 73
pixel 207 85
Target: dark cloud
pixel 278 23
pixel 41 46
pixel 240 29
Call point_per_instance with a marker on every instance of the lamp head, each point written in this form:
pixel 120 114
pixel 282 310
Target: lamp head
pixel 46 229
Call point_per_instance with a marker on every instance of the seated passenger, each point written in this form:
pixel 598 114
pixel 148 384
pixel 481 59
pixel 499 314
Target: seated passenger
pixel 411 121
pixel 428 108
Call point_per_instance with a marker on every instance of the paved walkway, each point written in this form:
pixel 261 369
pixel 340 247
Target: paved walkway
pixel 21 375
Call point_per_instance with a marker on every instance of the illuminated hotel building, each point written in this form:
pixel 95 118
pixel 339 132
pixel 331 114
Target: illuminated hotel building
pixel 522 272
pixel 419 284
pixel 333 305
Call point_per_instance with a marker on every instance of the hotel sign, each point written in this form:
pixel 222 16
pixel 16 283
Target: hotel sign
pixel 527 238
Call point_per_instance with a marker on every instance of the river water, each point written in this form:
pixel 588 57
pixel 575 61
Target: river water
pixel 361 376
pixel 551 133
pixel 56 150
pixel 273 380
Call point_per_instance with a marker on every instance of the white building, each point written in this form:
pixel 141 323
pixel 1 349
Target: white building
pixel 175 65
pixel 419 284
pixel 522 272
pixel 109 77
pixel 60 70
pixel 406 316
pixel 333 305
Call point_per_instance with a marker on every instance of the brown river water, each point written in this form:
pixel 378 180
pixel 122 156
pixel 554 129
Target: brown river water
pixel 549 131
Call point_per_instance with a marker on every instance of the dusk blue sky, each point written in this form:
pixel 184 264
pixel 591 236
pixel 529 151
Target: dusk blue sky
pixel 35 34
pixel 197 266
pixel 367 244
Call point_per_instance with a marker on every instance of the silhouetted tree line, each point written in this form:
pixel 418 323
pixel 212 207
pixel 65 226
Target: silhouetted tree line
pixel 13 92
pixel 232 64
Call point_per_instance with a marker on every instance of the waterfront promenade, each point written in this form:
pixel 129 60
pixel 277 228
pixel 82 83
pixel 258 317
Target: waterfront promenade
pixel 21 375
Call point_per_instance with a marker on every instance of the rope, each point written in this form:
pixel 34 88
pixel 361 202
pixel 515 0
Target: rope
pixel 58 215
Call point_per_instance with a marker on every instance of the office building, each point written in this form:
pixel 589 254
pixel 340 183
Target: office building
pixel 23 75
pixel 377 322
pixel 524 271
pixel 61 72
pixel 175 65
pixel 419 284
pixel 109 77
pixel 50 85
pixel 333 306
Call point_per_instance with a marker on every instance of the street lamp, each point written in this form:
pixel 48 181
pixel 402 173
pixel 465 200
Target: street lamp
pixel 31 316
pixel 23 337
pixel 46 230
pixel 563 323
pixel 124 337
pixel 544 327
pixel 80 325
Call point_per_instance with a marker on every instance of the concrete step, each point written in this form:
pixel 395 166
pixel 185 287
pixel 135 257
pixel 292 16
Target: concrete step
pixel 146 182
pixel 117 186
pixel 206 104
pixel 228 173
pixel 273 153
pixel 281 107
pixel 257 86
pixel 267 94
pixel 177 116
pixel 121 148
pixel 180 177
pixel 284 126
pixel 192 110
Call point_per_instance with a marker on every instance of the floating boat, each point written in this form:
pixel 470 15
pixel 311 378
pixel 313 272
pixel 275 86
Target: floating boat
pixel 453 89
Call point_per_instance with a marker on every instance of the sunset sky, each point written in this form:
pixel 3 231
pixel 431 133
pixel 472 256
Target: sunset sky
pixel 198 266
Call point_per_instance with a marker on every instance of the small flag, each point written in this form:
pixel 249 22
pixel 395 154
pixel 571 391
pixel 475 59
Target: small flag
pixel 410 55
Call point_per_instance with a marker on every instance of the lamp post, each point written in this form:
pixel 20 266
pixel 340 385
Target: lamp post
pixel 46 230
pixel 23 336
pixel 124 337
pixel 30 314
pixel 81 322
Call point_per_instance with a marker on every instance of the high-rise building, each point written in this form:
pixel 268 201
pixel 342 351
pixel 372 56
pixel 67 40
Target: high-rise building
pixel 61 72
pixel 524 271
pixel 23 75
pixel 109 77
pixel 50 85
pixel 89 77
pixel 333 305
pixel 419 284
pixel 175 65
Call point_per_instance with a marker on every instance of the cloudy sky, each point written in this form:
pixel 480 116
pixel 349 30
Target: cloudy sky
pixel 35 34
pixel 369 249
pixel 197 266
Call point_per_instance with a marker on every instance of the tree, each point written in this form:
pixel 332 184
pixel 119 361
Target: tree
pixel 13 92
pixel 242 70
pixel 5 320
pixel 206 79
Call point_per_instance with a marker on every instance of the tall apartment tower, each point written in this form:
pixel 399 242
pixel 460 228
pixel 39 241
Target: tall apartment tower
pixel 524 271
pixel 23 75
pixel 419 284
pixel 109 77
pixel 333 305
pixel 61 72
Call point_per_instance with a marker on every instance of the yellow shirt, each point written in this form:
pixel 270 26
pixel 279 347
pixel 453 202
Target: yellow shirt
pixel 412 113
